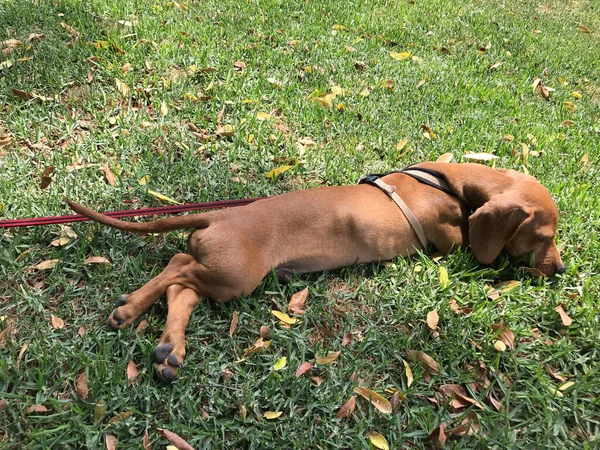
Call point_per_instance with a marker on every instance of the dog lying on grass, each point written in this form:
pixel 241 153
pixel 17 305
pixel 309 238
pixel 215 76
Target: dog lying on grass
pixel 232 250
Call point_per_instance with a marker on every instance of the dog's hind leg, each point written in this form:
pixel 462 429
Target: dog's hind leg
pixel 183 270
pixel 170 350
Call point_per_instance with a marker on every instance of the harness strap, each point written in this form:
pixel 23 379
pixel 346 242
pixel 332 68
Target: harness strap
pixel 390 191
pixel 429 178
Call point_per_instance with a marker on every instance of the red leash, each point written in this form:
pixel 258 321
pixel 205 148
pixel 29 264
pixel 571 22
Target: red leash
pixel 174 209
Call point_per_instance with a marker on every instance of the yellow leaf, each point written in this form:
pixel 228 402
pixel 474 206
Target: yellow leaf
pixel 96 260
pixel 328 359
pixel 272 414
pixel 444 280
pixel 341 107
pixel 378 401
pixel 400 56
pixel 338 27
pixel 567 385
pixel 378 441
pixel 280 364
pixel 508 138
pixel 276 172
pixel 400 145
pixel 576 94
pixel 284 317
pixel 144 180
pixel 122 87
pixel 479 156
pixel 409 374
pixel 337 90
pixel 525 151
pixel 263 115
pixel 324 101
pixel 555 392
pixel 163 109
pixel 570 106
pixel 162 197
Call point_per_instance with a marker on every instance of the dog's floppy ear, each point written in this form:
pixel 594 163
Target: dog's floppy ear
pixel 493 225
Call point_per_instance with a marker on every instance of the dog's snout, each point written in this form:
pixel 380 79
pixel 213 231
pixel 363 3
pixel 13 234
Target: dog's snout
pixel 561 269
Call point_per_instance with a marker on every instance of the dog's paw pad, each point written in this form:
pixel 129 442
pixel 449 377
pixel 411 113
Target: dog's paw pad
pixel 173 361
pixel 166 373
pixel 121 301
pixel 114 321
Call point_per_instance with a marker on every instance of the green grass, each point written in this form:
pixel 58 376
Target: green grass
pixel 469 106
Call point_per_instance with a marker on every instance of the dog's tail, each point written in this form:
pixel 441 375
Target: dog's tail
pixel 157 226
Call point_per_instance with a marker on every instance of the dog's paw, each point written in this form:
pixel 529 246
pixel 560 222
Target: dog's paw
pixel 120 317
pixel 168 360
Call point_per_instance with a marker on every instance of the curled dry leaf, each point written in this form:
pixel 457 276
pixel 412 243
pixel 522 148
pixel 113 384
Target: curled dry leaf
pixel 111 442
pixel 409 374
pixel 433 319
pixel 427 362
pixel 445 158
pixel 468 426
pixel 234 323
pixel 36 409
pixel 347 339
pixel 132 372
pixel 566 320
pixel 284 317
pixel 378 401
pixel 479 156
pixel 146 445
pixel 96 260
pixel 378 441
pixel 110 177
pixel 328 359
pixel 296 304
pixel 57 322
pixel 347 408
pixel 318 380
pixel 438 436
pixel 226 374
pixel 175 439
pixel 82 386
pixel 505 335
pixel 304 367
pixel 458 396
pixel 259 344
pixel 164 110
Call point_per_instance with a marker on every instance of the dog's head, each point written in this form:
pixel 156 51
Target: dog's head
pixel 522 220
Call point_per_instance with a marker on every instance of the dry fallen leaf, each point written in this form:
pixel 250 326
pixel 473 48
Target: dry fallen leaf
pixel 226 374
pixel 378 401
pixel 57 322
pixel 318 380
pixel 110 177
pixel 48 264
pixel 146 445
pixel 331 356
pixel 46 178
pixel 304 367
pixel 284 317
pixel 479 156
pixel 264 332
pixel 583 29
pixel 259 344
pixel 270 415
pixel 111 442
pixel 378 441
pixel 175 439
pixel 96 260
pixel 37 409
pixel 132 372
pixel 468 426
pixel 82 386
pixel 437 436
pixel 347 339
pixel 400 56
pixel 162 197
pixel 347 408
pixel 263 116
pixel 505 335
pixel 296 304
pixel 426 361
pixel 122 87
pixel 433 319
pixel 163 109
pixel 445 158
pixel 234 323
pixel 566 320
pixel 273 174
pixel 409 374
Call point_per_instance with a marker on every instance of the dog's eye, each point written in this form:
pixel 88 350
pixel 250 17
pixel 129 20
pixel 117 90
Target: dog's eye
pixel 544 238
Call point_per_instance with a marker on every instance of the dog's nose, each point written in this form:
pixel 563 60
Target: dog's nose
pixel 561 269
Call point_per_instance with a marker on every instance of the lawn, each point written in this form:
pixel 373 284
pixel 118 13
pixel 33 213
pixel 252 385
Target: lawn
pixel 110 103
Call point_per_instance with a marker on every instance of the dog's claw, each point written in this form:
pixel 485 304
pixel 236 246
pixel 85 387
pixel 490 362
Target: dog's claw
pixel 173 361
pixel 162 352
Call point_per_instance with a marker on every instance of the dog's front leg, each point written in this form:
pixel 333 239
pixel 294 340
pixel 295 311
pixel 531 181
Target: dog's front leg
pixel 170 351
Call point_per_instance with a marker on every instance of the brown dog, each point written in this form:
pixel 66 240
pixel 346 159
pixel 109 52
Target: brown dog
pixel 232 250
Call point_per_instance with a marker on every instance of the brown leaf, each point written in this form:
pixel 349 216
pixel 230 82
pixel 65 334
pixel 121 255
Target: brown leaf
pixel 69 28
pixel 132 372
pixel 433 319
pixel 37 409
pixel 258 345
pixel 328 359
pixel 495 403
pixel 304 367
pixel 226 374
pixel 347 408
pixel 234 323
pixel 11 43
pixel 22 94
pixel 566 320
pixel 543 91
pixel 95 260
pixel 46 178
pixel 57 322
pixel 3 404
pixel 110 177
pixel 426 361
pixel 296 304
pixel 378 401
pixel 347 339
pixel 34 37
pixel 437 436
pixel 583 29
pixel 81 331
pixel 82 386
pixel 468 426
pixel 176 440
pixel 239 65
pixel 459 396
pixel 264 332
pixel 318 380
pixel 395 400
pixel 445 158
pixel 506 336
pixel 146 441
